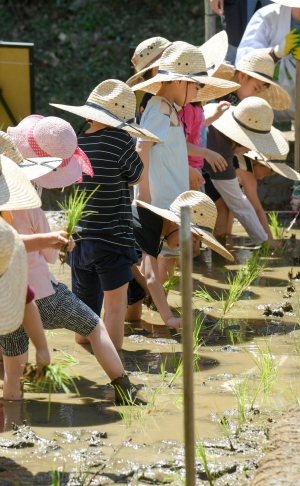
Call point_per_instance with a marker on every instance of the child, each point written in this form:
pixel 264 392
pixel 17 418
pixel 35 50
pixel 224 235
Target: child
pixel 102 259
pixel 182 77
pixel 246 126
pixel 59 307
pixel 152 226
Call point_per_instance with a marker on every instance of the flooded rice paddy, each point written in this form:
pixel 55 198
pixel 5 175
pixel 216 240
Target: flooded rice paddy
pixel 246 374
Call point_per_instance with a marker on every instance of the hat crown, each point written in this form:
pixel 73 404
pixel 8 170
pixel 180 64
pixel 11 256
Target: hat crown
pixel 56 137
pixel 147 51
pixel 254 113
pixel 258 62
pixel 115 97
pixel 182 58
pixel 8 148
pixel 6 245
pixel 203 210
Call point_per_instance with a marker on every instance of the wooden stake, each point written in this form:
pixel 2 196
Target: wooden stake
pixel 210 21
pixel 187 343
pixel 297 119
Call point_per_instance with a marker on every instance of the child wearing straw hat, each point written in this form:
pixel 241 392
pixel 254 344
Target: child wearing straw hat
pixel 153 226
pixel 102 260
pixel 247 126
pixel 58 306
pixel 181 78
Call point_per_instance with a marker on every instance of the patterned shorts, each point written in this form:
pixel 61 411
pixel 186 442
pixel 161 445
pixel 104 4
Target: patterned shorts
pixel 62 310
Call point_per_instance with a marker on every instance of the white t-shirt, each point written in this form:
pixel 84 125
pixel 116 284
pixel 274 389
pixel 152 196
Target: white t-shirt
pixel 168 160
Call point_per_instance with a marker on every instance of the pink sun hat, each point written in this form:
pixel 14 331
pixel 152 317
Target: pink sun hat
pixel 38 136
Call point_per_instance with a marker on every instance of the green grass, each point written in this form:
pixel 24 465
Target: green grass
pixel 171 283
pixel 267 365
pixel 200 452
pixel 277 229
pixel 203 294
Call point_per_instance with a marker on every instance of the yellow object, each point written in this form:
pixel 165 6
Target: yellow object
pixel 16 83
pixel 291 41
pixel 296 53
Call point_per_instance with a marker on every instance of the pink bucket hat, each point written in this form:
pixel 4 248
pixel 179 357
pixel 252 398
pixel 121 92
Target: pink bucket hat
pixel 38 136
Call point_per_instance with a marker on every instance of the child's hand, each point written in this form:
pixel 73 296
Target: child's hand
pixel 195 179
pixel 216 161
pixel 57 239
pixel 174 322
pixel 42 359
pixel 221 108
pixel 71 244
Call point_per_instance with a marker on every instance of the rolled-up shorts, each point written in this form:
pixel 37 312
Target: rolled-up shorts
pixel 62 310
pixel 135 292
pixel 167 252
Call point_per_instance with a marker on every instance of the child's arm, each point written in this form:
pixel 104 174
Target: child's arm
pixel 219 110
pixel 214 159
pixel 139 278
pixel 142 149
pixel 42 241
pixel 157 292
pixel 195 178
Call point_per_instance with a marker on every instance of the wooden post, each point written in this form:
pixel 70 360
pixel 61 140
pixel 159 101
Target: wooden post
pixel 187 343
pixel 210 20
pixel 297 119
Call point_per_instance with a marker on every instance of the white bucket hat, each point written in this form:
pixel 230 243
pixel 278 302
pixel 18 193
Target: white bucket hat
pixel 184 62
pixel 250 124
pixel 32 167
pixel 16 191
pixel 13 278
pixel 288 3
pixel 203 217
pixel 112 103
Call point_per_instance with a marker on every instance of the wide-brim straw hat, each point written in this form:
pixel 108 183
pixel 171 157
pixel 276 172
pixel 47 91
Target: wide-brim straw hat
pixel 32 167
pixel 37 136
pixel 203 217
pixel 16 191
pixel 112 103
pixel 13 279
pixel 279 167
pixel 184 62
pixel 146 56
pixel 288 3
pixel 250 125
pixel 224 71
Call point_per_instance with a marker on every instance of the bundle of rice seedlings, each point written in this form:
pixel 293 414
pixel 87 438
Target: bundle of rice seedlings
pixel 54 377
pixel 74 208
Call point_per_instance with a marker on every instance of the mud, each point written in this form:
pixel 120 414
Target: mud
pixel 88 440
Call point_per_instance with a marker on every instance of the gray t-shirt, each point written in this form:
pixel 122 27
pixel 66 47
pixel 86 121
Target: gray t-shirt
pixel 221 144
pixel 168 160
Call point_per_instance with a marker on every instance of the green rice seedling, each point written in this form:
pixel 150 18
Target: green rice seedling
pixel 53 377
pixel 240 388
pixel 197 328
pixel 57 477
pixel 52 333
pixel 225 427
pixel 162 368
pixel 65 358
pixel 142 414
pixel 171 283
pixel 177 374
pixel 267 366
pixel 74 208
pixel 276 228
pixel 178 402
pixel 200 453
pixel 202 293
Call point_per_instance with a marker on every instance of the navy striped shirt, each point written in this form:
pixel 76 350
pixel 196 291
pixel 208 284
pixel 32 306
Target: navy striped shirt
pixel 116 164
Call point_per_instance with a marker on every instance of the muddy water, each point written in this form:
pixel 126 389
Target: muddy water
pixel 89 439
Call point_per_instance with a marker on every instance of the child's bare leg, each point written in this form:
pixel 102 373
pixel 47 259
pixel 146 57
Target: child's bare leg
pixel 229 223
pixel 115 305
pixel 166 268
pixel 105 352
pixel 81 339
pixel 1 355
pixel 134 311
pixel 13 370
pixel 222 219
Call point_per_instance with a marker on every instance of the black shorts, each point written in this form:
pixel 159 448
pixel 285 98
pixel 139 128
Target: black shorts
pixel 135 292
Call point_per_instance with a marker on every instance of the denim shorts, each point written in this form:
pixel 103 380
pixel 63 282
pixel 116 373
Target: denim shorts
pixel 98 267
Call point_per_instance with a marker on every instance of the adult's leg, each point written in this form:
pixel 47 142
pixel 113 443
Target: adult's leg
pixel 242 209
pixel 115 305
pixel 249 183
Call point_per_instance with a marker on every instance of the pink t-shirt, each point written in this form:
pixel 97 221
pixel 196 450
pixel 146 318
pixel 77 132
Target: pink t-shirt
pixel 194 125
pixel 29 222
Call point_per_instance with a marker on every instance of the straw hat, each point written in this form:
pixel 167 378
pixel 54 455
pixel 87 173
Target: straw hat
pixel 250 125
pixel 38 136
pixel 203 217
pixel 279 167
pixel 288 3
pixel 13 278
pixel 32 167
pixel 112 103
pixel 184 62
pixel 16 192
pixel 224 71
pixel 146 55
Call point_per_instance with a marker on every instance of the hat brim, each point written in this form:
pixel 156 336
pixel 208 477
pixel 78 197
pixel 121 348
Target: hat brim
pixel 206 237
pixel 271 144
pixel 34 167
pixel 279 167
pixel 63 176
pixel 225 71
pixel 91 113
pixel 16 191
pixel 214 87
pixel 13 287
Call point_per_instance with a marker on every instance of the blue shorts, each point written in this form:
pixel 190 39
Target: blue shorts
pixel 98 267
